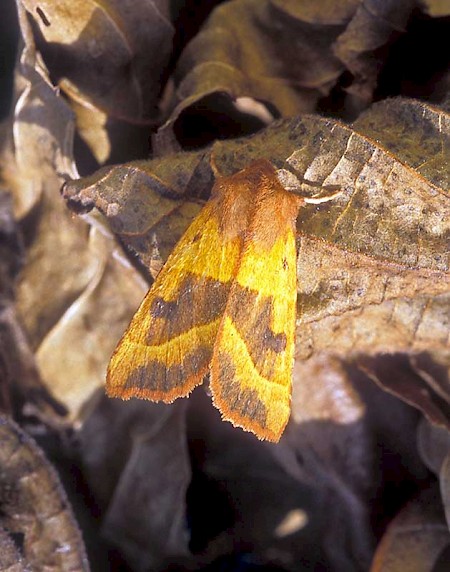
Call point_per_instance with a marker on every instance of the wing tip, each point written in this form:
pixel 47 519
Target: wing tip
pixel 119 390
pixel 246 423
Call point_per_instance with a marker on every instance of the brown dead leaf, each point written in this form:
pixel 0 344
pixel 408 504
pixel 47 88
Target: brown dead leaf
pixel 37 134
pixel 315 477
pixel 10 558
pixel 19 376
pixel 33 504
pixel 373 275
pixel 11 248
pixel 416 133
pixel 415 539
pixel 373 26
pixel 394 373
pixel 433 444
pixel 363 462
pixel 234 476
pixel 436 8
pixel 335 459
pixel 269 51
pixel 376 281
pixel 327 13
pixel 288 55
pixel 434 447
pixel 85 328
pixel 98 55
pixel 11 259
pixel 328 393
pixel 91 122
pixel 444 485
pixel 343 437
pixel 70 263
pixel 103 49
pixel 141 201
pixel 136 460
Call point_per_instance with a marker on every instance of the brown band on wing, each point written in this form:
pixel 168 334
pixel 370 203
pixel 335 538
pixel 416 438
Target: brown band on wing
pixel 157 377
pixel 252 316
pixel 236 400
pixel 200 301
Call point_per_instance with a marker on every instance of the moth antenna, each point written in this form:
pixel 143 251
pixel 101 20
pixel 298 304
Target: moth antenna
pixel 319 200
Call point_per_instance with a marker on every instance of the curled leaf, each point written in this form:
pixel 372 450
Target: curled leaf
pixel 103 48
pixel 141 203
pixel 136 459
pixel 374 25
pixel 34 505
pixel 415 539
pixel 69 262
pixel 269 51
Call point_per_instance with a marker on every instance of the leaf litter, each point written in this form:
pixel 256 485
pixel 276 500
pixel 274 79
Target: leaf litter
pixel 173 484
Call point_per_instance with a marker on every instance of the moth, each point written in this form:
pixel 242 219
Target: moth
pixel 224 304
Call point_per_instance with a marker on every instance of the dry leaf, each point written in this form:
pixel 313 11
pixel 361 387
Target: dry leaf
pixel 415 539
pixel 436 8
pixel 136 460
pixel 328 393
pixel 228 507
pixel 416 133
pixel 142 204
pixel 288 55
pixel 33 505
pixel 444 485
pixel 11 259
pixel 103 49
pixel 70 262
pixel 312 464
pixel 19 377
pixel 98 56
pixel 10 558
pixel 433 444
pixel 11 248
pixel 372 270
pixel 434 447
pixel 374 25
pixel 394 373
pixel 269 51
